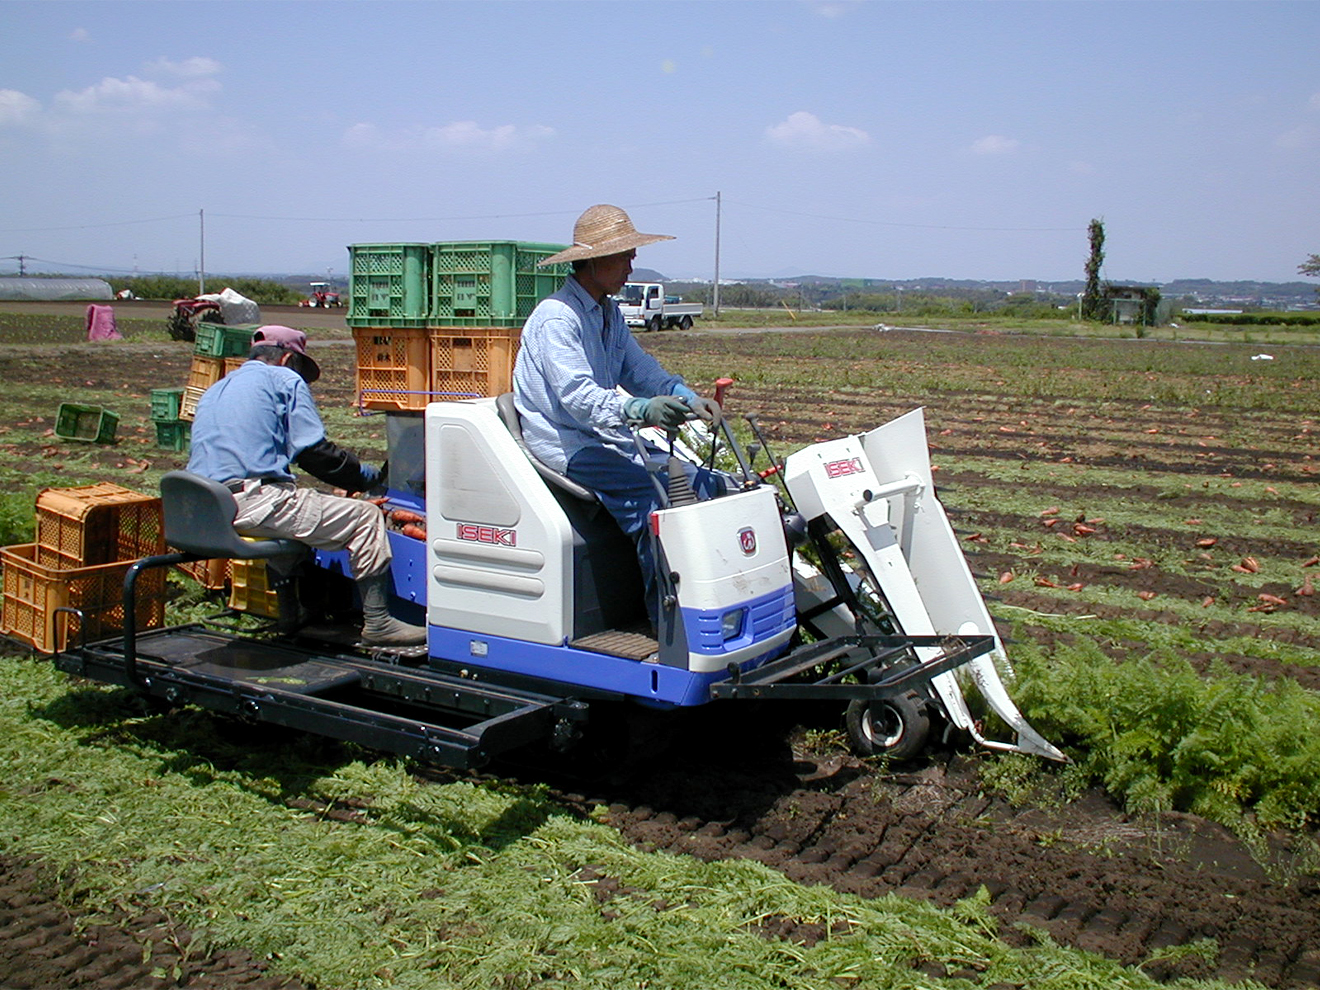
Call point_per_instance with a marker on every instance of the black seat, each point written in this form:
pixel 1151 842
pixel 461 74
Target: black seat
pixel 199 518
pixel 504 405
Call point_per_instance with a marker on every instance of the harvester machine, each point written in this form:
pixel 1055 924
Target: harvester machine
pixel 847 586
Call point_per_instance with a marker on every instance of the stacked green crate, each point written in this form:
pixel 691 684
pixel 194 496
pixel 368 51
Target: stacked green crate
pixel 172 433
pixel 490 283
pixel 388 285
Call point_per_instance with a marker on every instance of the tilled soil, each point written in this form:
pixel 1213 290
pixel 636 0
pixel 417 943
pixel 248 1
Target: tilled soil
pixel 1084 871
pixel 42 946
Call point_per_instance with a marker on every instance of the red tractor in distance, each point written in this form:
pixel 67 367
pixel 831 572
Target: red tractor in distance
pixel 322 297
pixel 188 313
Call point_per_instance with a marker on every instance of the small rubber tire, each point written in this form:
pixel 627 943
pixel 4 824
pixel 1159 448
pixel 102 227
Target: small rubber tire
pixel 685 323
pixel 653 325
pixel 896 727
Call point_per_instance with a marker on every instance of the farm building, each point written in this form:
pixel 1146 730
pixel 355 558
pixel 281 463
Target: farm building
pixel 55 288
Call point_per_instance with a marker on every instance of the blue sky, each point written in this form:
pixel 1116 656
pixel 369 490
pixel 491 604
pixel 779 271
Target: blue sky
pixel 873 139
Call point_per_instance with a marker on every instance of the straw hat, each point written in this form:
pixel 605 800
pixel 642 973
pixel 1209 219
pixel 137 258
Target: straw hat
pixel 601 231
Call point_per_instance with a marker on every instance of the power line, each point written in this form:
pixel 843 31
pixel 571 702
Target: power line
pixel 918 226
pixel 92 268
pixel 88 226
pixel 475 216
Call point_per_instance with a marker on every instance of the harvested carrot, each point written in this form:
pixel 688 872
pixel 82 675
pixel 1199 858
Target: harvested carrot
pixel 407 516
pixel 413 530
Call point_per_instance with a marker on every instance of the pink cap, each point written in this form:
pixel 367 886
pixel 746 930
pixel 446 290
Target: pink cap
pixel 291 340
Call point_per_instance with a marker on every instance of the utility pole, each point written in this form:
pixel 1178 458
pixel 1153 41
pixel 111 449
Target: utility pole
pixel 201 268
pixel 717 255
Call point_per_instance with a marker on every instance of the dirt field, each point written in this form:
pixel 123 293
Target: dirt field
pixel 1085 871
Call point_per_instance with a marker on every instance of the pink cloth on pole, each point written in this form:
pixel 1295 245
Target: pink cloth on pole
pixel 101 323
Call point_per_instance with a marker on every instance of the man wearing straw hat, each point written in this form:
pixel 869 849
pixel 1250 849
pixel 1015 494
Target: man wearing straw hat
pixel 576 350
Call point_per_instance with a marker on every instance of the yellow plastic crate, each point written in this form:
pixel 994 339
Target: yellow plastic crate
pixel 33 594
pixel 97 524
pixel 250 589
pixel 472 361
pixel 204 373
pixel 393 367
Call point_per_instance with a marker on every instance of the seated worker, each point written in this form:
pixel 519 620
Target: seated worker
pixel 575 350
pixel 250 426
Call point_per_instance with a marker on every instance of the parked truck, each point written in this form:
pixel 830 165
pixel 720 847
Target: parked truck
pixel 644 304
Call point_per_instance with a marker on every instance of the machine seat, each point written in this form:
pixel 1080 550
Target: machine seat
pixel 199 518
pixel 508 413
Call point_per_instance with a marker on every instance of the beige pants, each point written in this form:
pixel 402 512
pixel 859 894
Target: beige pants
pixel 326 522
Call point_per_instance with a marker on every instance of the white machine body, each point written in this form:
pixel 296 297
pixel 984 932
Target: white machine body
pixel 878 489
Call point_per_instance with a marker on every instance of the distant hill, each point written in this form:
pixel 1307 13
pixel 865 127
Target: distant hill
pixel 1261 295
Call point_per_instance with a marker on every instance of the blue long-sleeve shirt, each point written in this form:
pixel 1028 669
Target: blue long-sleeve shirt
pixel 574 353
pixel 253 423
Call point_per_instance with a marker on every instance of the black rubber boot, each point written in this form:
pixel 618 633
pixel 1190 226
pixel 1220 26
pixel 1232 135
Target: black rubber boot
pixel 379 628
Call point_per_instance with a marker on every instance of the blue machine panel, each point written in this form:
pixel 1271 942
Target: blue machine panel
pixel 569 667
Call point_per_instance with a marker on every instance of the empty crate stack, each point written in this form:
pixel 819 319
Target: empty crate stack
pixel 87 538
pixel 442 321
pixel 218 350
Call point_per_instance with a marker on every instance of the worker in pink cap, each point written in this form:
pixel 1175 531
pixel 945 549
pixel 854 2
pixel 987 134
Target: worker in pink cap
pixel 251 427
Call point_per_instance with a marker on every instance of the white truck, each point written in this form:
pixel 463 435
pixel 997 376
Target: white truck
pixel 644 304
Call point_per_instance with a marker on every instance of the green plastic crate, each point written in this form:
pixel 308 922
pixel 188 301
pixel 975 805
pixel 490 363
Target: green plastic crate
pixel 91 423
pixel 173 434
pixel 218 340
pixel 490 283
pixel 388 285
pixel 166 403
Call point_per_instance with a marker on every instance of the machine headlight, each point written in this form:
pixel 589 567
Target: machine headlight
pixel 731 624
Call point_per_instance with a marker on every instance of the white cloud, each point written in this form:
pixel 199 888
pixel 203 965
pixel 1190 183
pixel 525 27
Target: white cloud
pixel 196 67
pixel 1315 101
pixel 17 109
pixel 805 131
pixel 995 144
pixel 461 135
pixel 832 9
pixel 132 95
pixel 1298 137
pixel 80 34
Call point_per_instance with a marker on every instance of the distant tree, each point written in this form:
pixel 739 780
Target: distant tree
pixel 1311 268
pixel 1091 295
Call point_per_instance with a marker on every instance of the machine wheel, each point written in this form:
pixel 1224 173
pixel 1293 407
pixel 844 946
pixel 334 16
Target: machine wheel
pixel 653 325
pixel 685 323
pixel 896 727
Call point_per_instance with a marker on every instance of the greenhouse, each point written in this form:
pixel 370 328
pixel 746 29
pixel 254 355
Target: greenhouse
pixel 55 288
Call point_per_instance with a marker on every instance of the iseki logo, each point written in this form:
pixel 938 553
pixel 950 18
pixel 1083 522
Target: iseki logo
pixel 747 540
pixel 838 469
pixel 488 534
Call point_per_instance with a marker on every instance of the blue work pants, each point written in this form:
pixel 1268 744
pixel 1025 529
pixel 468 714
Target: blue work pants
pixel 626 490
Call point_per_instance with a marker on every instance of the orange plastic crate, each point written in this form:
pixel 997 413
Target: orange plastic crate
pixel 393 367
pixel 97 524
pixel 232 364
pixel 33 595
pixel 472 361
pixel 213 575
